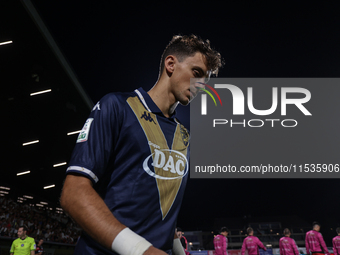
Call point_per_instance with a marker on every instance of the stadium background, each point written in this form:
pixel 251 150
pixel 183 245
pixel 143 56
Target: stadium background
pixel 99 46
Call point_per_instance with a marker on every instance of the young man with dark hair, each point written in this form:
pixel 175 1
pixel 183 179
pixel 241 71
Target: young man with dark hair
pixel 126 177
pixel 252 244
pixel 336 242
pixel 287 244
pixel 24 245
pixel 221 242
pixel 314 241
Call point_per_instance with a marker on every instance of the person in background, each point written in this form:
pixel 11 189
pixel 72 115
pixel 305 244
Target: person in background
pixel 221 242
pixel 24 245
pixel 287 244
pixel 336 242
pixel 40 249
pixel 314 241
pixel 252 244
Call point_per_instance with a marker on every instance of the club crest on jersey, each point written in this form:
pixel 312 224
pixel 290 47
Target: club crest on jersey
pixel 147 117
pixel 184 135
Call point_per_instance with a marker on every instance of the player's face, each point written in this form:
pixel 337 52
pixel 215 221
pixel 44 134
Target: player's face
pixel 190 67
pixel 225 233
pixel 21 232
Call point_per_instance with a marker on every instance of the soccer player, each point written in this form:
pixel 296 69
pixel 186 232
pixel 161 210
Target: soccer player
pixel 287 244
pixel 314 241
pixel 24 245
pixel 183 240
pixel 221 242
pixel 40 249
pixel 128 171
pixel 336 243
pixel 252 244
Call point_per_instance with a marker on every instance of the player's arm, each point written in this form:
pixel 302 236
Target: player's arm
pixel 11 252
pixel 177 248
pixel 260 244
pixel 88 209
pixel 307 245
pixel 295 247
pixel 323 245
pixel 334 247
pixel 280 247
pixel 243 249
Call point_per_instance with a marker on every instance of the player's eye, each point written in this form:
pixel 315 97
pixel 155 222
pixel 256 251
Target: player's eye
pixel 197 73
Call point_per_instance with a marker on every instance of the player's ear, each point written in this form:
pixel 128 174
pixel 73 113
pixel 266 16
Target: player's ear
pixel 169 64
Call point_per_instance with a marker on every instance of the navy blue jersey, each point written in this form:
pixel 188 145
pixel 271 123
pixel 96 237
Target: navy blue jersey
pixel 138 161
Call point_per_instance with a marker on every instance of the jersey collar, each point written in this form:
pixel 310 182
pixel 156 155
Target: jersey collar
pixel 149 104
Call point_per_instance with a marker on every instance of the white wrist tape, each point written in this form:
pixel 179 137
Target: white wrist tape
pixel 177 248
pixel 128 242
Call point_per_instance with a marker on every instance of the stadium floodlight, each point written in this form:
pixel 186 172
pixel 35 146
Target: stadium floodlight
pixel 60 164
pixel 22 173
pixel 6 188
pixel 40 92
pixel 7 42
pixel 39 205
pixel 4 192
pixel 49 186
pixel 74 132
pixel 29 197
pixel 43 203
pixel 31 142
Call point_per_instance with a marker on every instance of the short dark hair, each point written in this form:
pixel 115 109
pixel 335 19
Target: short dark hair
pixel 224 229
pixel 286 231
pixel 183 46
pixel 24 227
pixel 338 230
pixel 249 230
pixel 316 223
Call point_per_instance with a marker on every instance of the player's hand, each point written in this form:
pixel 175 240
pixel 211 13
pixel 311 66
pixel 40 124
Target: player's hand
pixel 154 251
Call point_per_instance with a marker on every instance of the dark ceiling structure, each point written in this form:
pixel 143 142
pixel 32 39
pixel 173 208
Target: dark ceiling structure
pixel 44 107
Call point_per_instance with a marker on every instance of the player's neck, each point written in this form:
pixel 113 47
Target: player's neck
pixel 161 96
pixel 23 237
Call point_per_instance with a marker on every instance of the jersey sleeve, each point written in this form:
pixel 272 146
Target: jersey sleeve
pixel 33 245
pixel 334 247
pixel 12 248
pixel 295 247
pixel 307 244
pixel 96 140
pixel 243 249
pixel 322 244
pixel 260 244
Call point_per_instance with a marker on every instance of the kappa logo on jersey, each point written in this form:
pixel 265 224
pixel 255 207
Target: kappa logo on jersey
pixel 84 133
pixel 147 117
pixel 97 106
pixel 175 163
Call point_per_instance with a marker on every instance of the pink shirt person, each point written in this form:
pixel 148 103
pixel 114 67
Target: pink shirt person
pixel 314 241
pixel 221 242
pixel 336 243
pixel 252 244
pixel 288 246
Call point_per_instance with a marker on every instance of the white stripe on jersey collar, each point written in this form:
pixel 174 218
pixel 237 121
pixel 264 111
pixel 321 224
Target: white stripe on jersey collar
pixel 142 99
